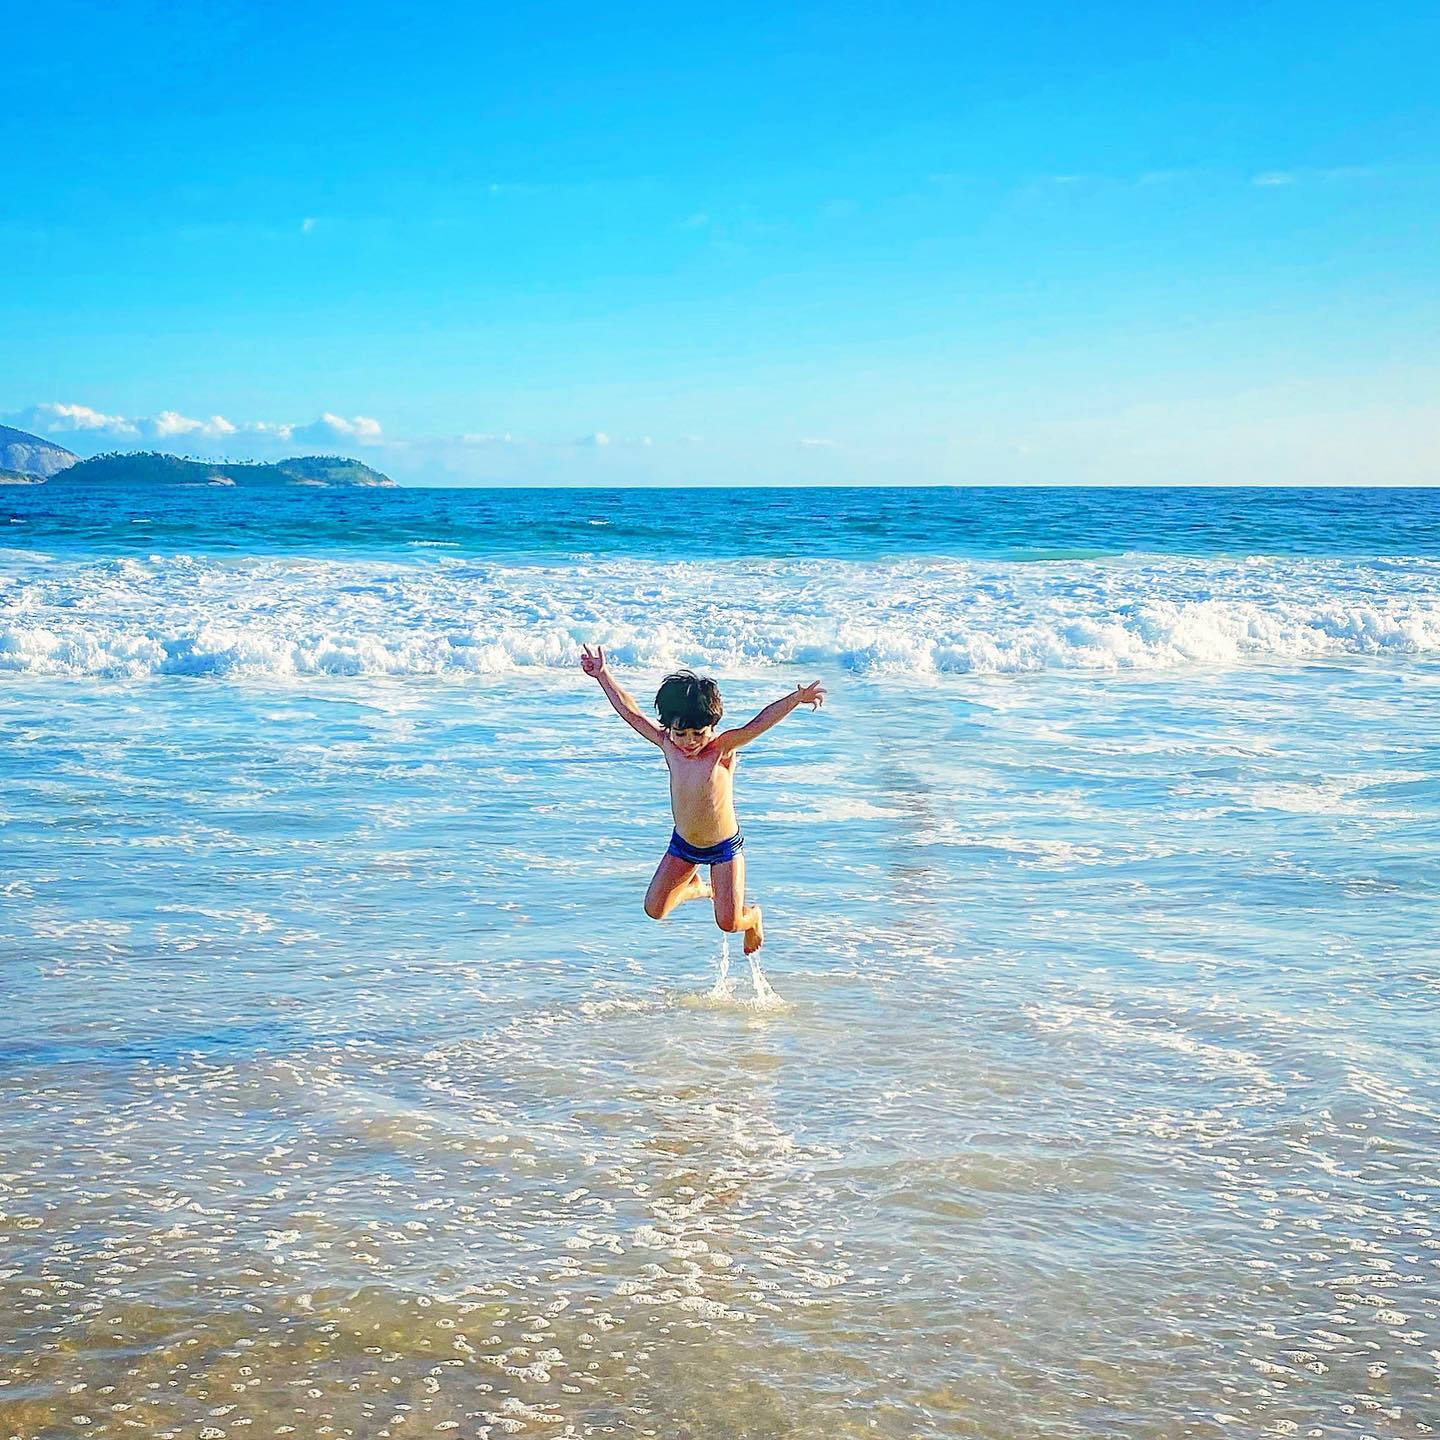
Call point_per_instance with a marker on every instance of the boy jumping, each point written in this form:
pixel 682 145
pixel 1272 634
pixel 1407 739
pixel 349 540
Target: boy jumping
pixel 702 783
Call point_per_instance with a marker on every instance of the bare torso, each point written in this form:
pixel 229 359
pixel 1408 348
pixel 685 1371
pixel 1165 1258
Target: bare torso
pixel 702 793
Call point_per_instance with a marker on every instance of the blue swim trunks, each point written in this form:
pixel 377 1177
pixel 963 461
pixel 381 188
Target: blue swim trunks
pixel 682 849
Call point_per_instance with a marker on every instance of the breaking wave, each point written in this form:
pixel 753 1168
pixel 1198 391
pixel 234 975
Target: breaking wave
pixel 448 617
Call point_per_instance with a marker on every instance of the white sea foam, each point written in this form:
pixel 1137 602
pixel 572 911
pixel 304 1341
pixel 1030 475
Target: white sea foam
pixel 442 616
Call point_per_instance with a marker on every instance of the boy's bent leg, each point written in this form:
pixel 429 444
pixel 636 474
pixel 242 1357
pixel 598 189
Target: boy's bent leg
pixel 675 880
pixel 731 911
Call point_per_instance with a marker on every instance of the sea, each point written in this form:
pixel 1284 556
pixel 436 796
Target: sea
pixel 1087 1084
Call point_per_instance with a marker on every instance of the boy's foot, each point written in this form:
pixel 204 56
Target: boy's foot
pixel 755 935
pixel 696 889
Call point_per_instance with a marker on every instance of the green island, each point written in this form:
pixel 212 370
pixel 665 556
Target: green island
pixel 153 468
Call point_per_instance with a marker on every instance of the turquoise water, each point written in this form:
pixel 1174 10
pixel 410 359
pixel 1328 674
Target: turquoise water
pixel 344 1083
pixel 703 523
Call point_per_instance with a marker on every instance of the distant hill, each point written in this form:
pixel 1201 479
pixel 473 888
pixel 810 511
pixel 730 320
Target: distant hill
pixel 152 468
pixel 30 455
pixel 331 470
pixel 19 477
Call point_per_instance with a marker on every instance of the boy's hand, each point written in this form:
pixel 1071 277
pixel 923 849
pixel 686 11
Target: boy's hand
pixel 593 665
pixel 812 694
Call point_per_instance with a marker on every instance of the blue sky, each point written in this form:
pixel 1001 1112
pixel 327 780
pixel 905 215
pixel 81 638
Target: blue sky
pixel 557 243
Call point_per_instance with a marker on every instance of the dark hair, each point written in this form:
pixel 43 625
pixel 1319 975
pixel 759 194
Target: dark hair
pixel 686 701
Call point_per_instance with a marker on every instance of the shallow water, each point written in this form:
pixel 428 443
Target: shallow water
pixel 346 1090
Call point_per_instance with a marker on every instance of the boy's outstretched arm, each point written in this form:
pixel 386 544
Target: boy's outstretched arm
pixel 812 695
pixel 623 701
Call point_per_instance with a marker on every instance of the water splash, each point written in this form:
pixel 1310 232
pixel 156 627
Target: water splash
pixel 765 996
pixel 725 992
pixel 724 987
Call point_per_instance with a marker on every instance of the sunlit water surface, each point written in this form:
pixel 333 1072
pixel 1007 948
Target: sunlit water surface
pixel 346 1090
pixel 347 1086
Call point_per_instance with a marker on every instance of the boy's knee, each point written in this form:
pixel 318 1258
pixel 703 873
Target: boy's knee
pixel 654 909
pixel 728 923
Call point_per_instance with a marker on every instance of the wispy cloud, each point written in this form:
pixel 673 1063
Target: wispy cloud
pixel 605 440
pixel 71 419
pixel 1089 181
pixel 93 429
pixel 811 442
pixel 1351 172
pixel 1321 175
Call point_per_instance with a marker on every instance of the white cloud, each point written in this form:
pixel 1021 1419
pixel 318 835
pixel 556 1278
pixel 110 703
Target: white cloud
pixel 169 422
pixel 307 224
pixel 812 443
pixel 1324 175
pixel 488 439
pixel 268 428
pixel 603 439
pixel 60 419
pixel 330 429
pixel 169 427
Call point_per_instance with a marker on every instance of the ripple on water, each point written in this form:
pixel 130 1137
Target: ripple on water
pixel 1100 1100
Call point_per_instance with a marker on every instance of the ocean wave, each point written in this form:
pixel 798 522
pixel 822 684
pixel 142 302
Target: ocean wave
pixel 184 615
